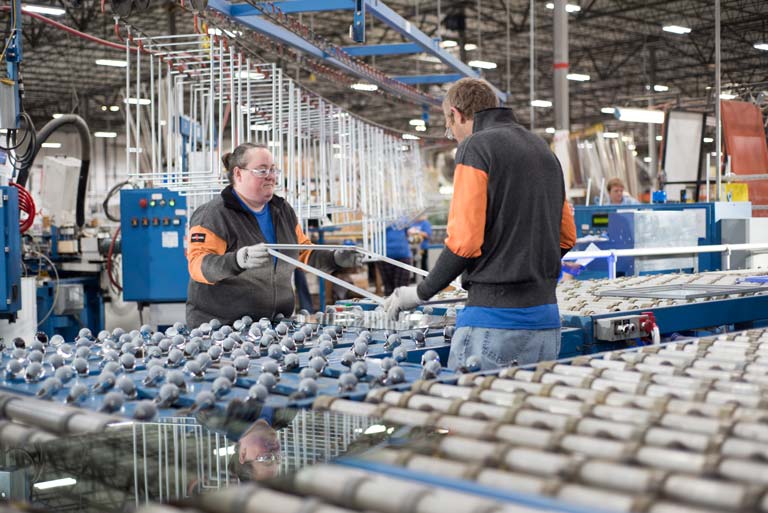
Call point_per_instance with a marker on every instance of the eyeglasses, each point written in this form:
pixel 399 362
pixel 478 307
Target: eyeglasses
pixel 449 133
pixel 263 172
pixel 267 458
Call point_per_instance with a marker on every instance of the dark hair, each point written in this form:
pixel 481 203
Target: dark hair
pixel 238 158
pixel 614 182
pixel 470 95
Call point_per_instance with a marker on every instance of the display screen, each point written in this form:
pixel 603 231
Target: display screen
pixel 599 220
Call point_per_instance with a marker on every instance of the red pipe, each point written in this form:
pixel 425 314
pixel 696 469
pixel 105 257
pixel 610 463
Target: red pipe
pixel 70 30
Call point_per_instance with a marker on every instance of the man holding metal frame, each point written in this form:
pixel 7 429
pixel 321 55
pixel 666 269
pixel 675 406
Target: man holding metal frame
pixel 507 231
pixel 232 273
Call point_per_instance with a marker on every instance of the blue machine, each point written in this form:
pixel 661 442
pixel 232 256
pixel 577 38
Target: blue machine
pixel 79 304
pixel 10 258
pixel 612 227
pixel 153 224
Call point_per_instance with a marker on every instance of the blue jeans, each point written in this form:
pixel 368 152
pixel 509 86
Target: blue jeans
pixel 501 348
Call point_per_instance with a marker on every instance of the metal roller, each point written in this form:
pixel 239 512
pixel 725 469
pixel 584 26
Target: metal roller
pixel 467 449
pixel 527 436
pixel 711 493
pixel 681 461
pixel 540 463
pixel 744 470
pixel 747 449
pixel 621 477
pixel 250 498
pixel 608 429
pixel 598 498
pixel 673 438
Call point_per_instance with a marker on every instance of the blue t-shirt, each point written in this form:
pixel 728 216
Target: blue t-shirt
pixel 540 317
pixel 426 227
pixel 397 243
pixel 264 218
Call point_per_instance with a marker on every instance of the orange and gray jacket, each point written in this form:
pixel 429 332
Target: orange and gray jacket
pixel 508 224
pixel 219 288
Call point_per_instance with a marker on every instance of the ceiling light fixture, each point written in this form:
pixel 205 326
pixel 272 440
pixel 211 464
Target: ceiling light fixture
pixel 416 122
pixel 647 160
pixel 470 47
pixel 610 135
pixel 761 46
pixel 541 103
pixel 42 9
pixel 608 110
pixel 482 64
pixel 111 63
pixel 114 108
pixel 51 145
pixel 105 135
pixel 550 130
pixel 727 96
pixel 578 77
pixel 708 140
pixel 676 29
pixel 411 137
pixel 137 101
pixel 660 88
pixel 448 43
pixel 568 7
pixel 261 127
pixel 420 128
pixel 57 115
pixel 639 115
pixel 253 75
pixel 56 483
pixel 659 138
pixel 362 86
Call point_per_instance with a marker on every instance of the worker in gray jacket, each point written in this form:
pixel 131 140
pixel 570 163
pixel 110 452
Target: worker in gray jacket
pixel 232 274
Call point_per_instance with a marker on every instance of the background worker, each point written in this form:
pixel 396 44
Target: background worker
pixel 232 274
pixel 423 228
pixel 397 249
pixel 616 195
pixel 507 231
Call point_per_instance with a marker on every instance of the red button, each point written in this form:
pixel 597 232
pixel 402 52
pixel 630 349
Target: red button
pixel 143 202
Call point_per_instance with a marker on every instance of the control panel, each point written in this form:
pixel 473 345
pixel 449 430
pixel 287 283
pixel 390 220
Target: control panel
pixel 10 253
pixel 153 224
pixel 625 327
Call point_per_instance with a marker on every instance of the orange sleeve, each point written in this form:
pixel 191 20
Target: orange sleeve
pixel 466 217
pixel 202 242
pixel 303 239
pixel 567 227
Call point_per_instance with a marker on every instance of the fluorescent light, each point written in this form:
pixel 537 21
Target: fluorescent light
pixel 51 145
pixel 639 115
pixel 660 88
pixel 448 43
pixel 405 148
pixel 578 77
pixel 336 146
pixel 106 135
pixel 411 137
pixel 253 75
pixel 338 156
pixel 727 96
pixel 631 147
pixel 676 29
pixel 482 64
pixel 762 46
pixel 708 140
pixel 41 9
pixel 139 101
pixel 541 103
pixel 45 485
pixel 114 108
pixel 375 429
pixel 634 153
pixel 568 7
pixel 446 190
pixel 625 138
pixel 610 135
pixel 550 130
pixel 470 47
pixel 659 138
pixel 57 115
pixel 261 127
pixel 417 122
pixel 608 110
pixel 225 451
pixel 273 144
pixel 421 128
pixel 647 160
pixel 361 86
pixel 104 108
pixel 112 63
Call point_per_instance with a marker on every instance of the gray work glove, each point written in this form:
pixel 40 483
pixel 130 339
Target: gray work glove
pixel 402 299
pixel 347 258
pixel 254 256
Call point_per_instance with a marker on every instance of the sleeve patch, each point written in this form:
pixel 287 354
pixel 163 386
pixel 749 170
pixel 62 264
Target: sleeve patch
pixel 197 237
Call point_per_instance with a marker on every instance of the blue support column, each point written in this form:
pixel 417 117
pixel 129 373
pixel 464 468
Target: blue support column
pixel 428 79
pixel 390 49
pixel 296 6
pixel 358 22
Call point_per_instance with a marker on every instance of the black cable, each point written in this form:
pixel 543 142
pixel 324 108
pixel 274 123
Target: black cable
pixel 85 157
pixel 112 191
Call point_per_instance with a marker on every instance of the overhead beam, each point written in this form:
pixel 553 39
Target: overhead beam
pixel 388 49
pixel 295 6
pixel 429 79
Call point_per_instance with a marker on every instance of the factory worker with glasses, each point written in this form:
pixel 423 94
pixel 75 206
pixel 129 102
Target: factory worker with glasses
pixel 508 228
pixel 232 274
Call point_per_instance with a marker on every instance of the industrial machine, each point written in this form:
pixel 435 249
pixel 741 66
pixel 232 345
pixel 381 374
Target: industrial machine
pixel 655 225
pixel 10 256
pixel 153 224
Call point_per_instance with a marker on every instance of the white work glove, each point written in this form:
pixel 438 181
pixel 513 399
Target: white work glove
pixel 347 258
pixel 403 298
pixel 254 256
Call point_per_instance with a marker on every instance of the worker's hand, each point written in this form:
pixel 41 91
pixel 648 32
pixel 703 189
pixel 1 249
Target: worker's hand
pixel 254 256
pixel 403 298
pixel 347 258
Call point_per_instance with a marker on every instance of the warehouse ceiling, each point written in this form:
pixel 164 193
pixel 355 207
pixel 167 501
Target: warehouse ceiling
pixel 619 44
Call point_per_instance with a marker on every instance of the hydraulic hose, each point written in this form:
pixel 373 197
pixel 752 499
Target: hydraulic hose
pixel 85 158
